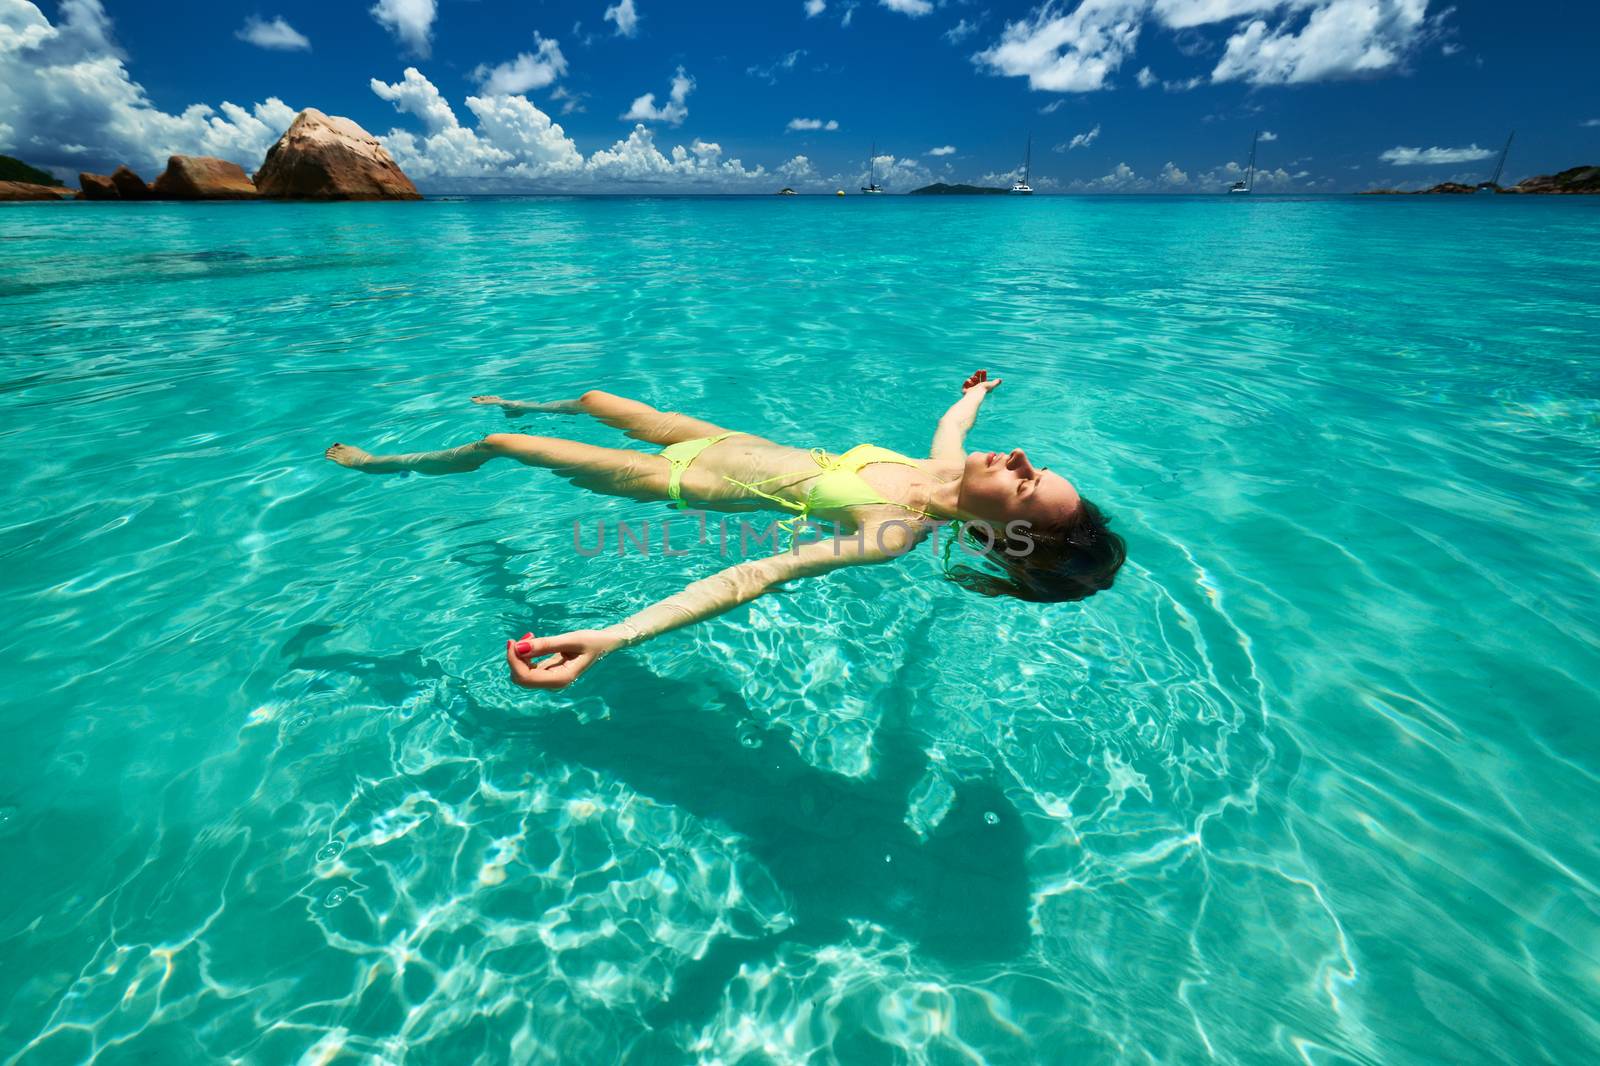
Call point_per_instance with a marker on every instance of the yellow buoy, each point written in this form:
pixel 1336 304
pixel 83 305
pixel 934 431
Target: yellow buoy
pixel 839 193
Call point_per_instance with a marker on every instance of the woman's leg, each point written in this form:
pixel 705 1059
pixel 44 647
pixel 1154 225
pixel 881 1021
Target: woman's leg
pixel 518 408
pixel 615 471
pixel 638 420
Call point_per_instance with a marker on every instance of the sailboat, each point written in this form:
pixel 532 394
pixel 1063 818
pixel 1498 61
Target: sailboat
pixel 1248 185
pixel 1021 186
pixel 1493 184
pixel 872 185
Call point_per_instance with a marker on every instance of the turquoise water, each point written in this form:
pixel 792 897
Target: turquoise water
pixel 1316 782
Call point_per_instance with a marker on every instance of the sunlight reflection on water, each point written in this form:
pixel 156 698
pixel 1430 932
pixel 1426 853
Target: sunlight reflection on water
pixel 1310 782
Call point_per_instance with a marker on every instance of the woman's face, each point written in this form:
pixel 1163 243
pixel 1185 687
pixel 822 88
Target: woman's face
pixel 1003 488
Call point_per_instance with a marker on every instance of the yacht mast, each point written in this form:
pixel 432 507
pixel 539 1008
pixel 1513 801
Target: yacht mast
pixel 1502 164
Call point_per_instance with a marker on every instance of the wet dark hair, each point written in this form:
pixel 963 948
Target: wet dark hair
pixel 1071 561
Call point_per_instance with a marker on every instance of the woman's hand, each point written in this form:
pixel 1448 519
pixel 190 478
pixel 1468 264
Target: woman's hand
pixel 949 440
pixel 567 656
pixel 981 382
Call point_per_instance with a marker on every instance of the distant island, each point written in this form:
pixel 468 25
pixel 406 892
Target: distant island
pixel 1578 181
pixel 939 188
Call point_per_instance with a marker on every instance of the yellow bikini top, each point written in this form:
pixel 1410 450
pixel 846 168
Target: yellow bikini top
pixel 840 485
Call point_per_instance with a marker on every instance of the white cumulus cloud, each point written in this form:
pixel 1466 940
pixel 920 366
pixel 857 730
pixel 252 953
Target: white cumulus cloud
pixel 67 102
pixel 915 8
pixel 527 71
pixel 813 124
pixel 513 138
pixel 1082 140
pixel 799 168
pixel 1340 39
pixel 813 9
pixel 416 95
pixel 895 173
pixel 275 34
pixel 673 112
pixel 1187 14
pixel 1073 52
pixel 409 20
pixel 1268 135
pixel 948 149
pixel 1174 179
pixel 1121 179
pixel 625 16
pixel 514 125
pixel 1218 178
pixel 637 161
pixel 514 144
pixel 1412 157
pixel 1271 42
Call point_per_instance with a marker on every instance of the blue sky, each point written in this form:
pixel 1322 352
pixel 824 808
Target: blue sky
pixel 636 95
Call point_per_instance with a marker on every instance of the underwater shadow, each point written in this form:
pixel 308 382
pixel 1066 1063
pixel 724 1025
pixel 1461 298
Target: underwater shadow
pixel 838 847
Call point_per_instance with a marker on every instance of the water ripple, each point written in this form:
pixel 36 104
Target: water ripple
pixel 1311 783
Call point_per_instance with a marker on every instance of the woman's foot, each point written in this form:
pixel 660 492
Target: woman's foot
pixel 348 455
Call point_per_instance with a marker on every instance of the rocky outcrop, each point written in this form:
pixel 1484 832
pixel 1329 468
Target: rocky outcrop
pixel 187 177
pixel 1449 188
pixel 27 190
pixel 97 187
pixel 1577 181
pixel 319 157
pixel 202 177
pixel 322 157
pixel 129 185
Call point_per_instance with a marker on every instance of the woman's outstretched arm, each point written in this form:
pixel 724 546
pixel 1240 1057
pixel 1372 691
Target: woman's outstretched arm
pixel 949 439
pixel 562 658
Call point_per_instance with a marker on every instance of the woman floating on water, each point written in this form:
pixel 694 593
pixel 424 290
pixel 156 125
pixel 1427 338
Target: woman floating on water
pixel 1044 542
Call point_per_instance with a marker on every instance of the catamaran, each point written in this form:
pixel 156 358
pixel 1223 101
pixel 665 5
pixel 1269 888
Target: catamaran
pixel 1021 186
pixel 1248 185
pixel 872 185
